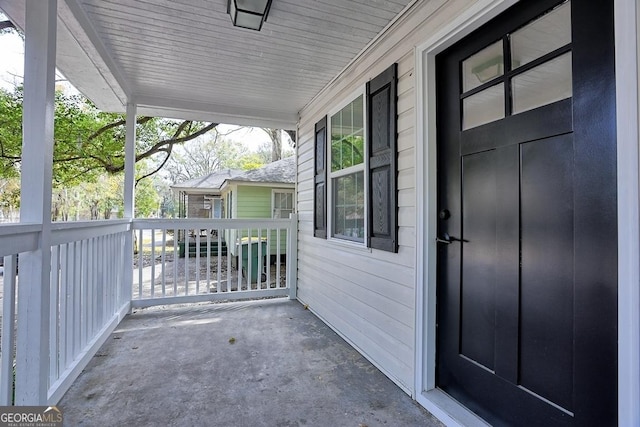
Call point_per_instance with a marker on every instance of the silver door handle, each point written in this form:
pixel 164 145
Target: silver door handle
pixel 446 242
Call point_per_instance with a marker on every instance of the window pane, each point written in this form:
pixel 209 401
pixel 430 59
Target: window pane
pixel 541 36
pixel 542 85
pixel 483 107
pixel 348 211
pixel 347 136
pixel 336 138
pixel 483 66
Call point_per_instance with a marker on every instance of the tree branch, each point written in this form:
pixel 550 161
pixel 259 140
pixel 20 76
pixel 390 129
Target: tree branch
pixel 168 151
pixel 122 122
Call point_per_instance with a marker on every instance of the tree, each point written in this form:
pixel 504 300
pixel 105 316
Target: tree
pixel 276 142
pixel 88 141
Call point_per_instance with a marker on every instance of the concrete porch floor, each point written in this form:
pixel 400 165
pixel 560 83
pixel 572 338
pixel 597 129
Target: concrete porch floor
pixel 259 363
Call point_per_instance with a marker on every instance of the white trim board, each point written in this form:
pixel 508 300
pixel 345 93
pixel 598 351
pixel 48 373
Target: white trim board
pixel 627 21
pixel 445 408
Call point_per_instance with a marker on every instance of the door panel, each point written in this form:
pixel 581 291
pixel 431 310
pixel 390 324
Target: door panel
pixel 546 281
pixel 478 270
pixel 526 311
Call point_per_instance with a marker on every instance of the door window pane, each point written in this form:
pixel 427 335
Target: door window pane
pixel 483 107
pixel 541 36
pixel 542 85
pixel 482 67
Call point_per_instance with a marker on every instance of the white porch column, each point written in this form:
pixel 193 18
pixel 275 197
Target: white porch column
pixel 129 195
pixel 35 201
pixel 130 162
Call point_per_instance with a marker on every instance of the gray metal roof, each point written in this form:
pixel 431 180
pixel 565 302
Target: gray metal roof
pixel 281 171
pixel 278 172
pixel 213 181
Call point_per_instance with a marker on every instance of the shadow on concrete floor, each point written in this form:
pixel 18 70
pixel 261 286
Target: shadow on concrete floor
pixel 259 363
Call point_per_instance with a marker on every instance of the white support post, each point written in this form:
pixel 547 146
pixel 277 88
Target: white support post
pixel 129 197
pixel 32 351
pixel 292 256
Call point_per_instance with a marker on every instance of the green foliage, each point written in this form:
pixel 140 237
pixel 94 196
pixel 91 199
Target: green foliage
pixel 346 152
pixel 88 142
pixel 10 133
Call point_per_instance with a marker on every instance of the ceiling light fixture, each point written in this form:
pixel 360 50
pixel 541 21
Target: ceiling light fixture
pixel 248 13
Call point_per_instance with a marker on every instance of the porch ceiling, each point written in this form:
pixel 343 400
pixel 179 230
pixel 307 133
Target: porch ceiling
pixel 184 58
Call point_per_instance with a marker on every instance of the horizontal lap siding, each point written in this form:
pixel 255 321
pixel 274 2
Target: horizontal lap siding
pixel 368 296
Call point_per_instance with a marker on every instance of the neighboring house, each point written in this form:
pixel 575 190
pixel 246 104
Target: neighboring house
pixel 265 192
pixel 200 197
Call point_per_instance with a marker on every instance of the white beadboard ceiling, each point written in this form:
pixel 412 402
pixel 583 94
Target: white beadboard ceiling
pixel 184 59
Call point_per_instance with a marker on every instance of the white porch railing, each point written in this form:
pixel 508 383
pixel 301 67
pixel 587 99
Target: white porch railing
pixel 91 286
pixel 192 260
pixel 88 297
pixel 14 239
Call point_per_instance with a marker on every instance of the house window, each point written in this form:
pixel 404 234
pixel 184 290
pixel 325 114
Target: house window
pixel 282 203
pixel 352 182
pixel 346 176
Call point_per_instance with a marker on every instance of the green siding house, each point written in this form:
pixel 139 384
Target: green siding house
pixel 266 192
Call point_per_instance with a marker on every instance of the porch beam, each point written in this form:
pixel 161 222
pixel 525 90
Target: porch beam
pixel 32 350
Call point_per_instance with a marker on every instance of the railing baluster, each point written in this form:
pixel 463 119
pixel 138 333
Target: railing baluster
pixel 162 262
pixel 140 263
pixel 8 329
pixel 83 294
pixel 208 260
pixel 96 284
pixel 219 264
pixel 69 300
pixel 153 262
pixel 269 240
pixel 260 260
pixel 90 287
pixel 187 250
pixel 197 231
pixel 229 266
pixel 54 295
pixel 278 257
pixel 175 261
pixel 239 261
pixel 64 267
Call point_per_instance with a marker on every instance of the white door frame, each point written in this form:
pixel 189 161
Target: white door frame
pixel 627 17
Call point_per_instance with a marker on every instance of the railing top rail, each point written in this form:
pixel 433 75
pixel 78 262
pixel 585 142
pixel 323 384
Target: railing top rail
pixel 206 223
pixel 65 232
pixel 96 224
pixel 16 238
pixel 18 228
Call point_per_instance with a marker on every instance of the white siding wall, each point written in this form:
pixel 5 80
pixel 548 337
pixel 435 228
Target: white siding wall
pixel 369 296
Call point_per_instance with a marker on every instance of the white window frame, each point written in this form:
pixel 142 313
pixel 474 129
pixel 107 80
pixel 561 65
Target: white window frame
pixel 273 200
pixel 360 92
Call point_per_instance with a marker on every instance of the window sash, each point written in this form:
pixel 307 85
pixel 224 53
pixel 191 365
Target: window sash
pixel 333 175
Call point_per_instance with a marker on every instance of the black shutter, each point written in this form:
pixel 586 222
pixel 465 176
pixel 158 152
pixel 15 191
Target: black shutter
pixel 320 180
pixel 382 215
